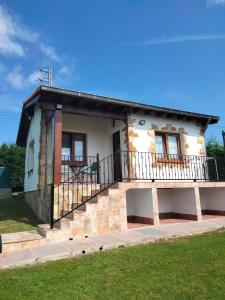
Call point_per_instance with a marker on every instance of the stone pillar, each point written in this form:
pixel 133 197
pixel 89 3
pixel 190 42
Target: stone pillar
pixel 57 146
pixel 198 204
pixel 155 206
pixel 42 155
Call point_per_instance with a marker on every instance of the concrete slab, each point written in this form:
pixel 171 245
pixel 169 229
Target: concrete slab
pixel 16 237
pixel 152 232
pixel 77 247
pixel 81 246
pixel 132 237
pixel 17 259
pixel 50 252
pixel 108 241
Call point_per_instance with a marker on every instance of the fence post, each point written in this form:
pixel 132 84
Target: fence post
pixel 217 174
pixel 52 206
pixel 0 243
pixel 98 171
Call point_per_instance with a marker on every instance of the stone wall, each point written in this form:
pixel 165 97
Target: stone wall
pixel 39 202
pixel 5 193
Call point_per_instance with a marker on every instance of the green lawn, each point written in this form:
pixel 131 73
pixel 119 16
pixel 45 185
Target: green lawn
pixel 187 268
pixel 15 215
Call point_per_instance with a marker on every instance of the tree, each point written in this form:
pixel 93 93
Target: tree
pixel 13 157
pixel 214 148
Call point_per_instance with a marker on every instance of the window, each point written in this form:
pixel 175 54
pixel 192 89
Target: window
pixel 74 147
pixel 31 156
pixel 167 145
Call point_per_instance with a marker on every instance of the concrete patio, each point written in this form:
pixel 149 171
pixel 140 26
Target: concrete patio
pixel 77 247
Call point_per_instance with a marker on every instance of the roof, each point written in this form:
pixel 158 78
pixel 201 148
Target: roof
pixel 51 95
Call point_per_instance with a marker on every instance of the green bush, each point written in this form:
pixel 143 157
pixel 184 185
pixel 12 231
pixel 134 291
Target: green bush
pixel 214 148
pixel 13 157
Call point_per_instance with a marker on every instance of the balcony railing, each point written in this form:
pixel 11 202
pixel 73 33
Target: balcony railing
pixel 155 166
pixel 73 164
pixel 94 176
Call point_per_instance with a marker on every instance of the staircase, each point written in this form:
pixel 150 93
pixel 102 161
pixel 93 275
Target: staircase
pixel 87 203
pixel 101 214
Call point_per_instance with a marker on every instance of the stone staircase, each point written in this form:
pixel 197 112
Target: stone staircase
pixel 102 214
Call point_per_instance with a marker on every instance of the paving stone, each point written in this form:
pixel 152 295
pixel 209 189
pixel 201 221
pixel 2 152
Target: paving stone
pixel 152 232
pixel 81 246
pixel 51 252
pixel 132 237
pixel 108 241
pixel 17 259
pixel 76 247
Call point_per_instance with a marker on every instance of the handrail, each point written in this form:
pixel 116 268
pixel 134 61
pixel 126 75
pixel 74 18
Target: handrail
pixel 83 186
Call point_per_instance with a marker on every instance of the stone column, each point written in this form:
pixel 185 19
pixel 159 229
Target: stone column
pixel 198 204
pixel 155 206
pixel 57 146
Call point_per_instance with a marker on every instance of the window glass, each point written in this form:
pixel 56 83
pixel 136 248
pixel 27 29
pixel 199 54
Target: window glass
pixel 79 148
pixel 160 149
pixel 172 145
pixel 66 142
pixel 31 156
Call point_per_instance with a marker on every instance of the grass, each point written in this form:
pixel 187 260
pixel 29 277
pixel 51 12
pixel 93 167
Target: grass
pixel 187 268
pixel 15 215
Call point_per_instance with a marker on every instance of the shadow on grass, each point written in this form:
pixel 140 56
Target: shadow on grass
pixel 15 215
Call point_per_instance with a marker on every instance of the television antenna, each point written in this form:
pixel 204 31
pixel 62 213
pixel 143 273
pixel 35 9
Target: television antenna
pixel 46 76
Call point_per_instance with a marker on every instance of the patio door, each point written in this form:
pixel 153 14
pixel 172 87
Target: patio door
pixel 117 156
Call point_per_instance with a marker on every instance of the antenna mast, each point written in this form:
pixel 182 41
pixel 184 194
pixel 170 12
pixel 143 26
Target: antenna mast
pixel 46 76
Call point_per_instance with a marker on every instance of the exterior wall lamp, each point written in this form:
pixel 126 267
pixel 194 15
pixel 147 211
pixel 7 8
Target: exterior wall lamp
pixel 142 122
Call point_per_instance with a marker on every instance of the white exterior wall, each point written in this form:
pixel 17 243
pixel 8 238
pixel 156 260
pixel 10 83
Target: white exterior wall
pixel 212 198
pixel 177 201
pixel 98 132
pixel 139 203
pixel 184 201
pixel 165 200
pixel 144 141
pixel 31 180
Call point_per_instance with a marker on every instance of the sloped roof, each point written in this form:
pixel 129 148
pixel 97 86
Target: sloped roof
pixel 44 94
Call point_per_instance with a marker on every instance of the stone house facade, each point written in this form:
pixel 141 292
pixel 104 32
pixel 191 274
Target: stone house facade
pixel 102 163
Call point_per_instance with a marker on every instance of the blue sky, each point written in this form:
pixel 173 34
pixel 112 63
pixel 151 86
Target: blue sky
pixel 166 53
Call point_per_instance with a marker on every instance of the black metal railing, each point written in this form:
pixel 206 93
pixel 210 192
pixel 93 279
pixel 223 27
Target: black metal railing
pixel 73 164
pixel 157 166
pixel 81 187
pixel 91 180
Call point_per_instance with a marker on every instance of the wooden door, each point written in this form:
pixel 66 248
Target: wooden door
pixel 117 156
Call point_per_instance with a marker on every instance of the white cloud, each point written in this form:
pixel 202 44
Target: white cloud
pixel 215 2
pixel 12 33
pixel 16 78
pixel 33 77
pixel 50 52
pixel 19 81
pixel 180 39
pixel 65 70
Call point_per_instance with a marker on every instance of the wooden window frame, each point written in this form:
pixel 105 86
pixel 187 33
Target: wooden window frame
pixel 166 146
pixel 73 162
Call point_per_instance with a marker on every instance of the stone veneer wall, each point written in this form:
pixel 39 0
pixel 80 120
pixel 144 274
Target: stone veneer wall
pixel 5 193
pixel 39 202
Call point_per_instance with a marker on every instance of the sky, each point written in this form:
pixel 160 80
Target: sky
pixel 159 52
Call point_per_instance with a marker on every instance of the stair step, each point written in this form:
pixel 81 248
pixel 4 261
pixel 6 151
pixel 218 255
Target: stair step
pixel 84 198
pixel 75 205
pixel 94 192
pixel 93 200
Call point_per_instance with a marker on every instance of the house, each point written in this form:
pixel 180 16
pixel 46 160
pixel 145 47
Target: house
pixel 5 183
pixel 96 164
